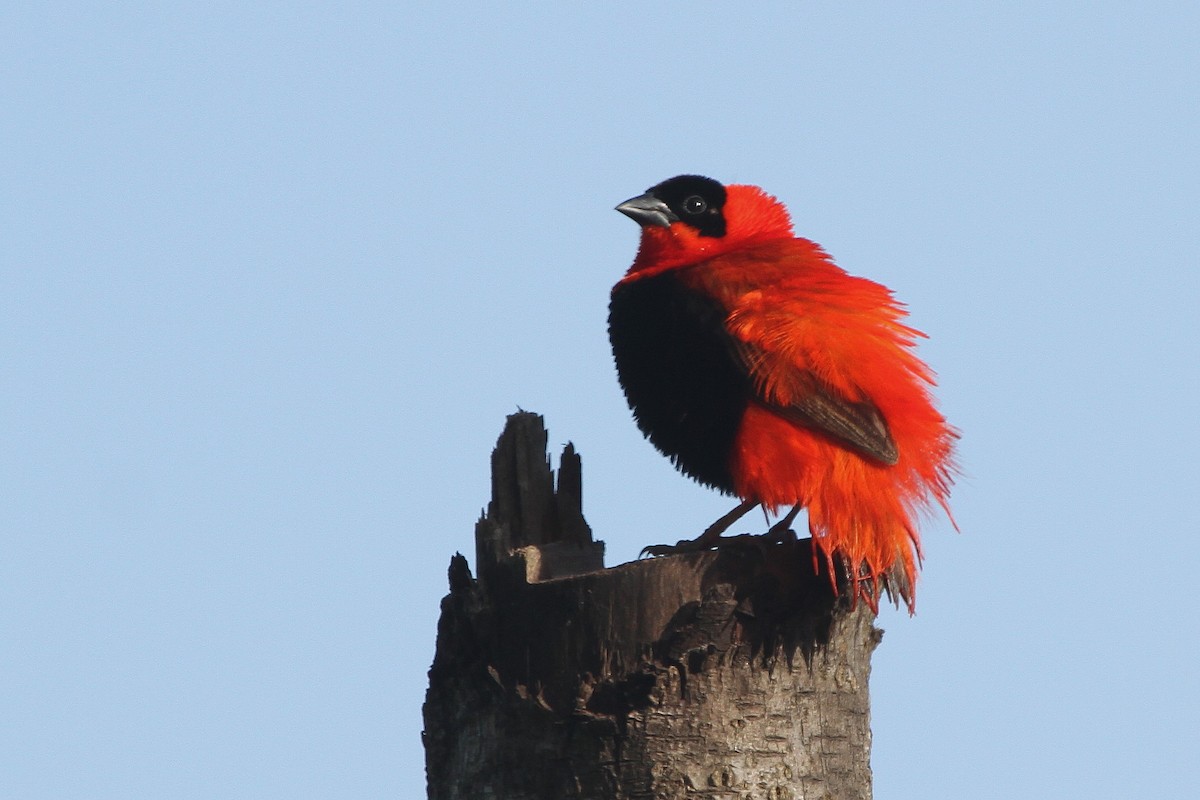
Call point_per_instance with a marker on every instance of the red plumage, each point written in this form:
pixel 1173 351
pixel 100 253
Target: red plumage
pixel 765 370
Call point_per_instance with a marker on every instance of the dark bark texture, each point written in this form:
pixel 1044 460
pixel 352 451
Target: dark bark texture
pixel 729 674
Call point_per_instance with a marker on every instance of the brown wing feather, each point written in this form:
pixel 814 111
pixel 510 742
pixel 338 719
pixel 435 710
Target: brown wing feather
pixel 816 405
pixel 857 424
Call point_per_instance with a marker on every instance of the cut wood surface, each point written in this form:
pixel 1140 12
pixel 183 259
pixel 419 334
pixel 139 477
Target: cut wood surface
pixel 728 674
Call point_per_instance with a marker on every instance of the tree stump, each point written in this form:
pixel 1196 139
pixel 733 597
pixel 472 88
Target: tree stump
pixel 730 674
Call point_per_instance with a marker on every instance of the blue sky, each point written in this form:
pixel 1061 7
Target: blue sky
pixel 272 277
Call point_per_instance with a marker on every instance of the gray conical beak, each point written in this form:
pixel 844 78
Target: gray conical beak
pixel 646 209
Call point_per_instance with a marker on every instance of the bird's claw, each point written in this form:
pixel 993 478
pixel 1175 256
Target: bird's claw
pixel 653 550
pixel 761 541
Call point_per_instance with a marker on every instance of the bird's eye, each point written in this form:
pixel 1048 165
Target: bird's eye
pixel 695 205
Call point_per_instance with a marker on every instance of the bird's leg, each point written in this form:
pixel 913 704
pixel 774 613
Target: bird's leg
pixel 779 533
pixel 782 531
pixel 706 540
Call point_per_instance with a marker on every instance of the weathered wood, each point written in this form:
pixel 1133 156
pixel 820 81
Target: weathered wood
pixel 731 674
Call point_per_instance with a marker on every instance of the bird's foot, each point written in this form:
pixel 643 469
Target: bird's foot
pixel 684 546
pixel 779 533
pixel 754 541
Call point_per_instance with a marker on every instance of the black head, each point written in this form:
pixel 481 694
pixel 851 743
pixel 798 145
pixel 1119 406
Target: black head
pixel 694 200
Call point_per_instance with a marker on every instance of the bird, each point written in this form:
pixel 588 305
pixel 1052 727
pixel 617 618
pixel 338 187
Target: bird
pixel 764 370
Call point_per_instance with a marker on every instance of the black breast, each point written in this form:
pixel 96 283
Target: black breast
pixel 678 366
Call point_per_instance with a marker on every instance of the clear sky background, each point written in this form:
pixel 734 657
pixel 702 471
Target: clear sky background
pixel 272 275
